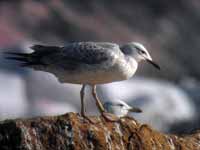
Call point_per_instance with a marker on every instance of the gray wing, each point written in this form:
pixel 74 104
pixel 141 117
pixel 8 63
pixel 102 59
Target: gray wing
pixel 89 52
pixel 75 55
pixel 70 57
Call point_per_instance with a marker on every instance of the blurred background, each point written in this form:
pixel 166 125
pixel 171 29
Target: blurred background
pixel 170 30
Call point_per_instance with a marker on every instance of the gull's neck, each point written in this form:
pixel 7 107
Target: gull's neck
pixel 130 66
pixel 132 62
pixel 135 56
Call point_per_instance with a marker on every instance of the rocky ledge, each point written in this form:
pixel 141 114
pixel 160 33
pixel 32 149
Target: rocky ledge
pixel 70 131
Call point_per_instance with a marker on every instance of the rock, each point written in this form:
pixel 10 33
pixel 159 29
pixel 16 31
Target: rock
pixel 70 131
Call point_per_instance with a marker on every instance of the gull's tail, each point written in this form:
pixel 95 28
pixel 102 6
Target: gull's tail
pixel 25 59
pixel 35 58
pixel 29 59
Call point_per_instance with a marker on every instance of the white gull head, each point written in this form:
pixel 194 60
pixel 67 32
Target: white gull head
pixel 138 52
pixel 120 108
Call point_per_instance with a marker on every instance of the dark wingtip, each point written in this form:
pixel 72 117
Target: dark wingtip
pixel 15 54
pixel 24 59
pixel 36 47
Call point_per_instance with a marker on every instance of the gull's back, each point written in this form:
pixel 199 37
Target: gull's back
pixel 78 62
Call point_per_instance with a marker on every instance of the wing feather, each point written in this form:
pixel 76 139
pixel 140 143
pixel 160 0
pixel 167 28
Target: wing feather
pixel 89 52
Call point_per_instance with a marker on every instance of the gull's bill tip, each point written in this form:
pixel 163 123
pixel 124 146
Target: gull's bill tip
pixel 153 63
pixel 136 110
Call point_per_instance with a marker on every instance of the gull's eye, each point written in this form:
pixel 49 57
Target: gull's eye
pixel 120 105
pixel 142 52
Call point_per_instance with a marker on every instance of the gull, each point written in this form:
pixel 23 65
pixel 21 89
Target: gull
pixel 120 108
pixel 86 63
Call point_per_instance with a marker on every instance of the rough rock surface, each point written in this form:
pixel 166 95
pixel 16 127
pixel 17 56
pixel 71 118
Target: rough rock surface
pixel 70 131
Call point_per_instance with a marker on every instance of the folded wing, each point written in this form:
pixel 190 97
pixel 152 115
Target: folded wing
pixel 70 56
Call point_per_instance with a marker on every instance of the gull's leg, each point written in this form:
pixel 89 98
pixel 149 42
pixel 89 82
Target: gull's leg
pixel 82 94
pixel 107 116
pixel 98 102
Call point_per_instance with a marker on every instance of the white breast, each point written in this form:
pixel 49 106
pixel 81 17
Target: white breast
pixel 127 67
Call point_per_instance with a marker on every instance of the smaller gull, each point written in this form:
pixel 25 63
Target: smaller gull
pixel 120 108
pixel 87 63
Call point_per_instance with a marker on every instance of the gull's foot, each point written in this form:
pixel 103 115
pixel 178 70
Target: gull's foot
pixel 110 117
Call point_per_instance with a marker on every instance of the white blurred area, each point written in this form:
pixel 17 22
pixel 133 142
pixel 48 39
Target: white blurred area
pixel 13 101
pixel 163 103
